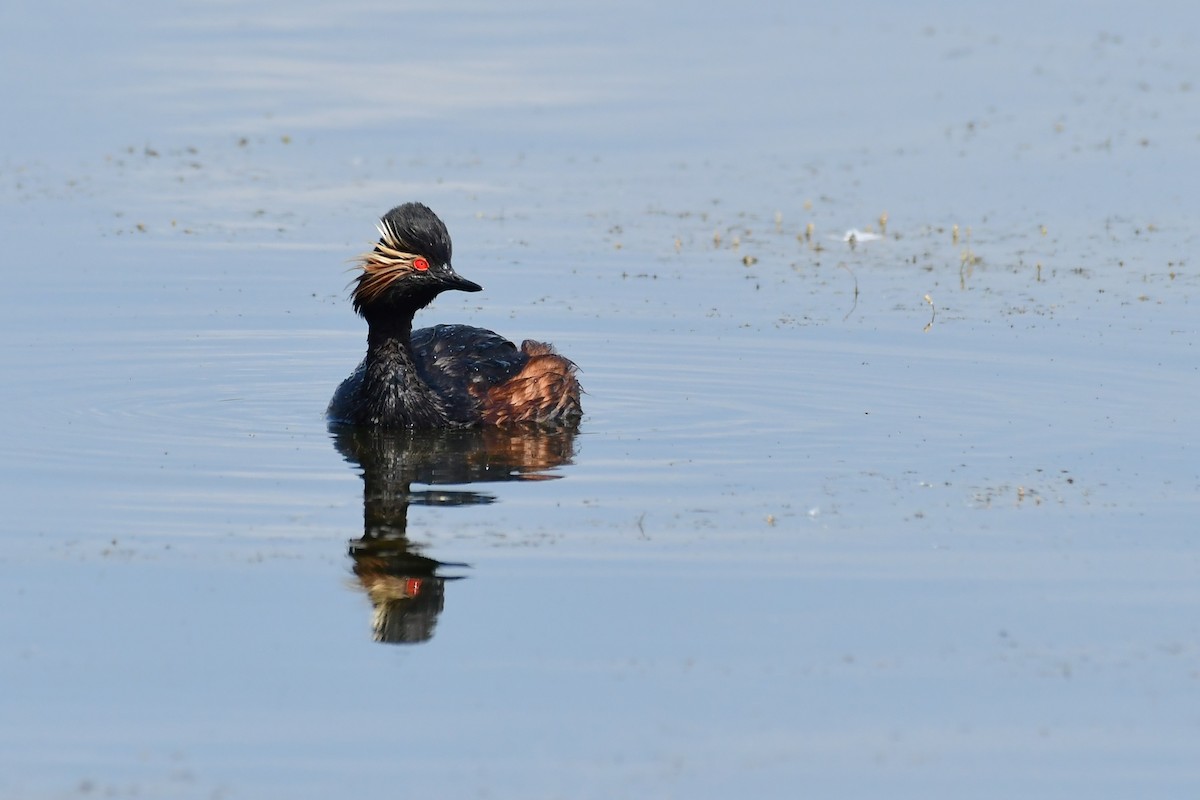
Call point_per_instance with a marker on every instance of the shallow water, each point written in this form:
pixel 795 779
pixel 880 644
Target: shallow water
pixel 910 516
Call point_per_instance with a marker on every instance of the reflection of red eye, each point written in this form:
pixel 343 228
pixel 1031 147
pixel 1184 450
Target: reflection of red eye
pixel 420 264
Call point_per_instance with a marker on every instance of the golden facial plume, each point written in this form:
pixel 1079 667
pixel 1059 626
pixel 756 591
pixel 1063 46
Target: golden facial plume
pixel 383 265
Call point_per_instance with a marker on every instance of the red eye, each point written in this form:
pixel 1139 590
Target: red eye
pixel 420 264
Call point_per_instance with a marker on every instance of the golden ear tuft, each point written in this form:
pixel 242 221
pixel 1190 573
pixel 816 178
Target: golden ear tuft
pixel 383 265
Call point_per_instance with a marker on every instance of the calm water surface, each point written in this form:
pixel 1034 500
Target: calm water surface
pixel 912 514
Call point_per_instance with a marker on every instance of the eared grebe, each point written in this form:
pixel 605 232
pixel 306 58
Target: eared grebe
pixel 447 376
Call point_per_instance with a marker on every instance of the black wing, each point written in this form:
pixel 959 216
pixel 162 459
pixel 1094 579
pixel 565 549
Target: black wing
pixel 452 358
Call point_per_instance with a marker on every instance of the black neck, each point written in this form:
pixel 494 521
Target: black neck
pixel 394 389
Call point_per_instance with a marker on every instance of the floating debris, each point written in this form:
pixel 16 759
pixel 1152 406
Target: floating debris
pixel 853 236
pixel 855 278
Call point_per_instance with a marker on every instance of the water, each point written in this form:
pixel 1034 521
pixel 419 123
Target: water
pixel 913 516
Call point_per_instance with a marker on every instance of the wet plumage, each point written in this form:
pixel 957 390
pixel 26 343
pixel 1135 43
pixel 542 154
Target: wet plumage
pixel 446 375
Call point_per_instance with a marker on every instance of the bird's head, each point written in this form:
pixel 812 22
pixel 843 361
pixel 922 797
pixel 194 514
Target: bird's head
pixel 410 264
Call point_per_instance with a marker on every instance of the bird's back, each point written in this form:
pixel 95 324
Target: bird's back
pixel 487 378
pixel 462 362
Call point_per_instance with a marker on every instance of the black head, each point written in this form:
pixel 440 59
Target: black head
pixel 413 227
pixel 410 264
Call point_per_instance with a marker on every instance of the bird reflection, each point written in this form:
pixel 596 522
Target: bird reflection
pixel 407 588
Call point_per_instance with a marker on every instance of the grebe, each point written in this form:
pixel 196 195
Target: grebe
pixel 447 376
